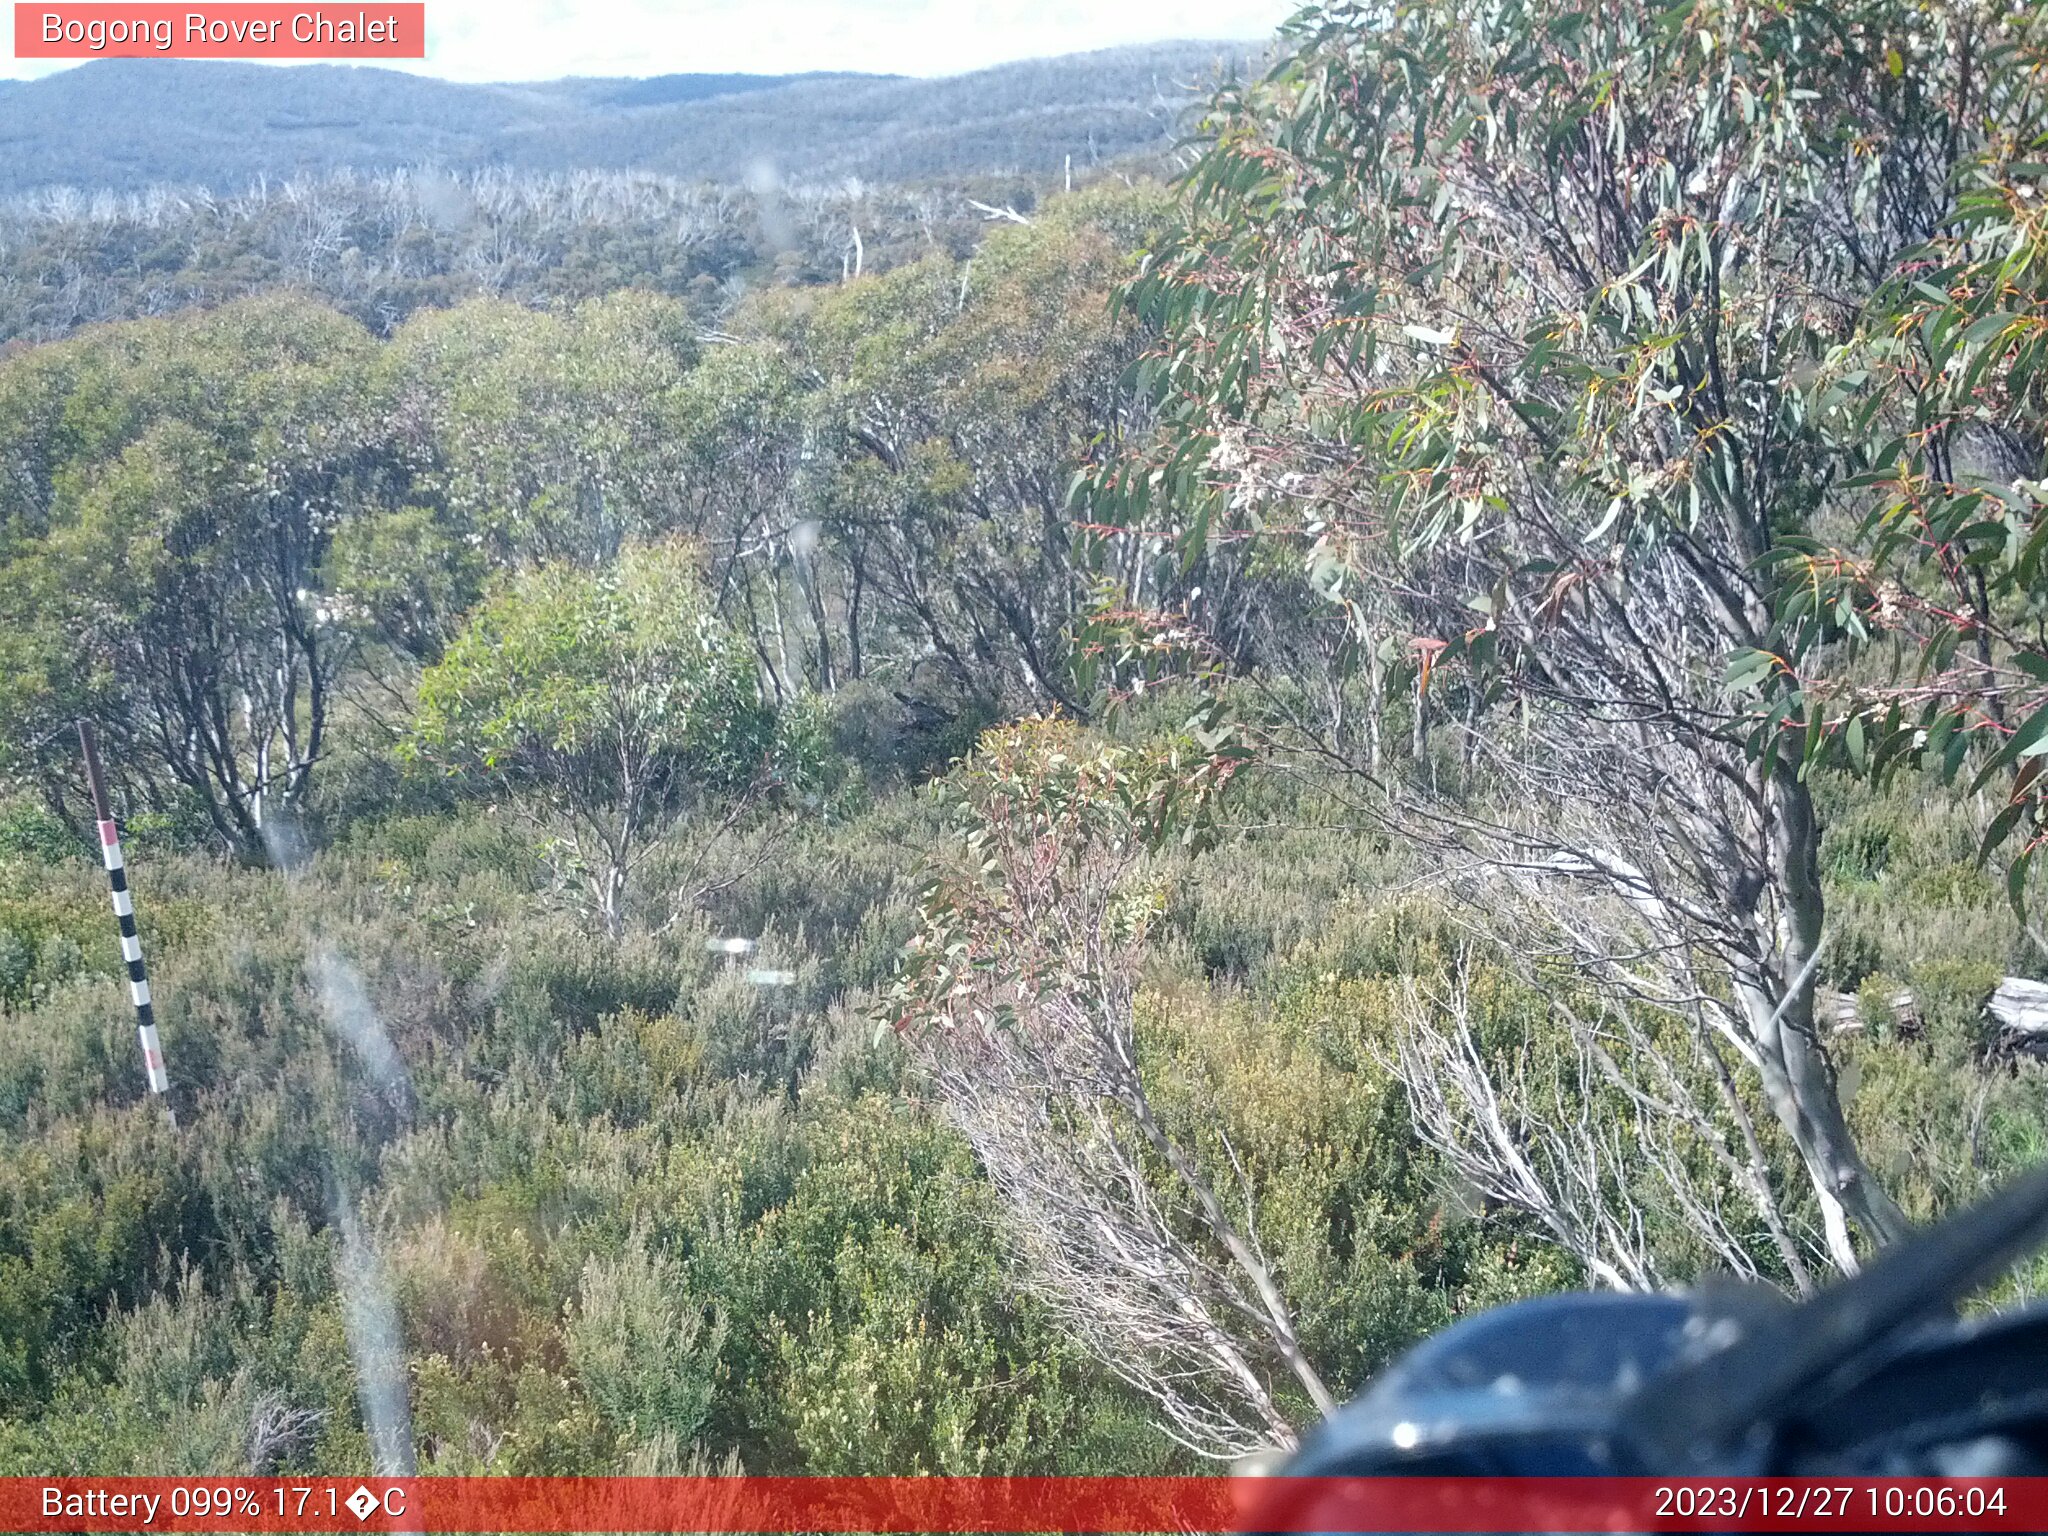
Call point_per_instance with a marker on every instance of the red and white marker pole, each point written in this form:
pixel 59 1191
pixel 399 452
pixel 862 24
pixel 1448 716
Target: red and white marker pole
pixel 124 918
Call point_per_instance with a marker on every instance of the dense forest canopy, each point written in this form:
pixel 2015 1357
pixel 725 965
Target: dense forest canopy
pixel 1031 846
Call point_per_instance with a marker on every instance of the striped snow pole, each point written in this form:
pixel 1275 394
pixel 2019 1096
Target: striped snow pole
pixel 124 917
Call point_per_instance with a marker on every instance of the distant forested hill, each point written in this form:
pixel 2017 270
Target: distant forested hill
pixel 382 245
pixel 128 124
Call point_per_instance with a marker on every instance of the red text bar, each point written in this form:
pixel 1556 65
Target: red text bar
pixel 1054 1504
pixel 223 31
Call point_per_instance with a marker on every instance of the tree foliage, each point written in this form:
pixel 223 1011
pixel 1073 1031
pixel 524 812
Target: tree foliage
pixel 171 493
pixel 263 520
pixel 1505 323
pixel 1939 401
pixel 618 695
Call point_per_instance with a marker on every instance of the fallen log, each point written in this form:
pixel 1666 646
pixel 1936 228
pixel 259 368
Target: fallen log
pixel 1842 1014
pixel 2020 1009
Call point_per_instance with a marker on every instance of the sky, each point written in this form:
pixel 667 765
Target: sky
pixel 544 39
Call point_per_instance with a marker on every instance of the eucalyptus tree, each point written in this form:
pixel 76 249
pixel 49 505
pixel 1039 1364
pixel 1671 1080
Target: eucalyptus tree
pixel 944 409
pixel 742 439
pixel 170 494
pixel 1505 319
pixel 1944 396
pixel 615 699
pixel 547 436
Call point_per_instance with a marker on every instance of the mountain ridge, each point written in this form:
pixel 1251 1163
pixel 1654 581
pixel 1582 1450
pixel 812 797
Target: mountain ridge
pixel 125 125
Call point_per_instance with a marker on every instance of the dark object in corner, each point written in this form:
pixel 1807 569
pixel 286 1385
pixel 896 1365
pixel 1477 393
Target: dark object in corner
pixel 1874 1376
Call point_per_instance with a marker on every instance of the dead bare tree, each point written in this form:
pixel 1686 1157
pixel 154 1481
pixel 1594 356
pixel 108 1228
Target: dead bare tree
pixel 278 1430
pixel 1607 1148
pixel 1678 873
pixel 1023 1018
pixel 1552 1161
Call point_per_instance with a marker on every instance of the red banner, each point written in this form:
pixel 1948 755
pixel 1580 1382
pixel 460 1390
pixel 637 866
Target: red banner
pixel 1054 1504
pixel 220 31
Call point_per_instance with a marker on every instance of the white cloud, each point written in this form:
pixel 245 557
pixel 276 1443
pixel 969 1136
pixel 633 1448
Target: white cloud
pixel 544 39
